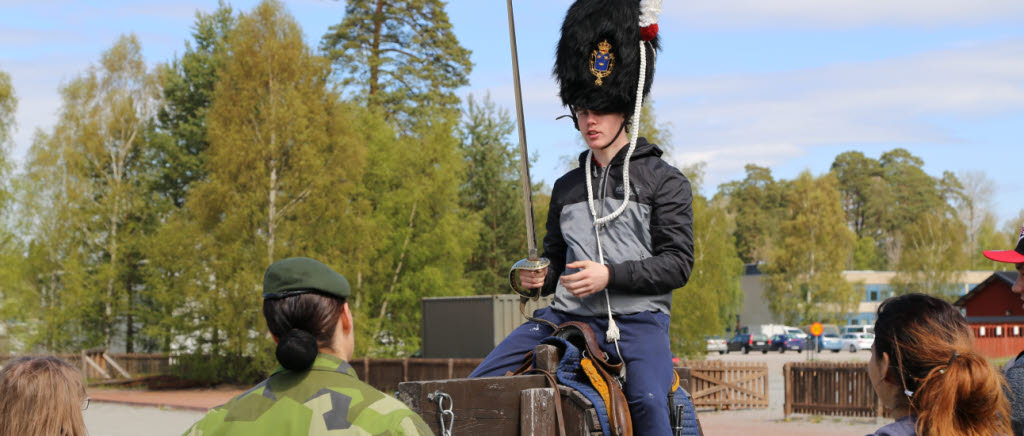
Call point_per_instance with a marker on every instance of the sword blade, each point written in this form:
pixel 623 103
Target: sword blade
pixel 524 162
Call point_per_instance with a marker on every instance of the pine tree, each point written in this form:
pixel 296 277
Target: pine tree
pixel 188 86
pixel 492 190
pixel 399 56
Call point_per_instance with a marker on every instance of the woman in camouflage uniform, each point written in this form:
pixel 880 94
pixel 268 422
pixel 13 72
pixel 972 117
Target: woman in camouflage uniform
pixel 315 391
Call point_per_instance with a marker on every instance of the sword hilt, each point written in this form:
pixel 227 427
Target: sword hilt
pixel 530 264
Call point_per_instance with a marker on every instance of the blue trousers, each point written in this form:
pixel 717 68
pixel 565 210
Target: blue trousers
pixel 645 350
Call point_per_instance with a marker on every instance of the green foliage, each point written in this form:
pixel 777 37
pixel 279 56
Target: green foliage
pixel 400 56
pixel 882 198
pixel 804 274
pixel 422 236
pixel 756 203
pixel 860 183
pixel 87 205
pixel 282 154
pixel 990 236
pixel 493 191
pixel 8 105
pixel 650 129
pixel 188 86
pixel 932 257
pixel 712 298
pixel 10 244
pixel 867 255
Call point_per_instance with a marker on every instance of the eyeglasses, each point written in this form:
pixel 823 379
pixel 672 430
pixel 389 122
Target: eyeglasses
pixel 85 404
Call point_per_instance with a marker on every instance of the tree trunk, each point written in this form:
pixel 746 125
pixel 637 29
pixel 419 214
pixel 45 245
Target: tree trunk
pixel 394 278
pixel 378 22
pixel 272 212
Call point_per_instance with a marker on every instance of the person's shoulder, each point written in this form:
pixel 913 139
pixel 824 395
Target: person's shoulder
pixel 902 427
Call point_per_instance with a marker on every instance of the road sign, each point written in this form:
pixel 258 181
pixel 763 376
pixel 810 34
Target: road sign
pixel 817 329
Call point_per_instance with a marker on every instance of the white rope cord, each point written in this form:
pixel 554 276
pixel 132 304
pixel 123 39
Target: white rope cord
pixel 612 335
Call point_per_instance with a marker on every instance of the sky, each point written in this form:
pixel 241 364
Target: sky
pixel 785 84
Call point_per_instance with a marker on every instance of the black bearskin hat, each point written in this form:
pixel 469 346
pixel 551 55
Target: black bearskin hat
pixel 597 61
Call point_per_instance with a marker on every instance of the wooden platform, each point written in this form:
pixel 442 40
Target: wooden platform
pixel 501 406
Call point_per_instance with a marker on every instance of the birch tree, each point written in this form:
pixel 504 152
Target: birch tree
pixel 283 163
pixel 90 173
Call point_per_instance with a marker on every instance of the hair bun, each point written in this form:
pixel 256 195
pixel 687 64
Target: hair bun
pixel 296 350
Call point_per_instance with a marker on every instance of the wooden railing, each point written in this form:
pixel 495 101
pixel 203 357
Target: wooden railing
pixel 386 374
pixel 830 388
pixel 728 385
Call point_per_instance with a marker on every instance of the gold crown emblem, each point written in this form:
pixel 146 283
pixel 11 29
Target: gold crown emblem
pixel 604 46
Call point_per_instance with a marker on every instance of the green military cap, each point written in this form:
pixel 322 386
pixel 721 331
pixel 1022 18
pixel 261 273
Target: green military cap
pixel 300 275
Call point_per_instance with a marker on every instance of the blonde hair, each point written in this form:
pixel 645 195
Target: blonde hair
pixel 951 388
pixel 41 396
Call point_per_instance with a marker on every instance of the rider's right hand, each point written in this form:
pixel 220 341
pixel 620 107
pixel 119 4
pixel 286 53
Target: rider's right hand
pixel 532 279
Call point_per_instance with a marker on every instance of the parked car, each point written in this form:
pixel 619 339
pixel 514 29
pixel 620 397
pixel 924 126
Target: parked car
pixel 830 341
pixel 857 341
pixel 746 342
pixel 716 343
pixel 781 343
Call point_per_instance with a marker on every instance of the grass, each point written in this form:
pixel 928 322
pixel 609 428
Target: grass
pixel 1000 362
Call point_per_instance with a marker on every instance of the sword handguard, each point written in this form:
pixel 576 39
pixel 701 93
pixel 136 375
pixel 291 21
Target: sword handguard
pixel 529 265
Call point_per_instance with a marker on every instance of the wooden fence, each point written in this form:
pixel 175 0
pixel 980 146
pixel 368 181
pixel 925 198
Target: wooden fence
pixel 728 385
pixel 830 388
pixel 104 365
pixel 713 384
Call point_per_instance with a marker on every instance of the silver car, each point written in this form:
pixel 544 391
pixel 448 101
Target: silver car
pixel 857 341
pixel 716 343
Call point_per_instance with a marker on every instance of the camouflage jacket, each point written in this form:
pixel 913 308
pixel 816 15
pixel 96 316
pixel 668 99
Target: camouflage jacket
pixel 328 399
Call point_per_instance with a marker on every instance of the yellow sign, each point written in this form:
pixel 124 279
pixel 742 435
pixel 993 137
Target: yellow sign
pixel 817 329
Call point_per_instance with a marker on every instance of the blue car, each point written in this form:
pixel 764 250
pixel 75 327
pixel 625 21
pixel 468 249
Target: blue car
pixel 781 343
pixel 830 341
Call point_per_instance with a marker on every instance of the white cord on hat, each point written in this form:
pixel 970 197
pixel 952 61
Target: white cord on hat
pixel 613 334
pixel 649 10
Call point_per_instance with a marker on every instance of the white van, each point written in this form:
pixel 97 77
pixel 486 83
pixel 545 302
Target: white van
pixel 863 328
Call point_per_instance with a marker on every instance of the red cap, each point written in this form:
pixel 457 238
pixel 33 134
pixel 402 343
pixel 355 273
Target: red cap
pixel 1009 256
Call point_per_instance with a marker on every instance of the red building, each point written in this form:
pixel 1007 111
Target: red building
pixel 995 315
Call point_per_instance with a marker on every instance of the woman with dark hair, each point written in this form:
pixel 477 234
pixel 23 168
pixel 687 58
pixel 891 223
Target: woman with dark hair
pixel 41 396
pixel 315 391
pixel 924 369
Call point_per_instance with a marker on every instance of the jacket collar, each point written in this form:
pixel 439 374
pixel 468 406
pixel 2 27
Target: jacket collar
pixel 643 149
pixel 328 362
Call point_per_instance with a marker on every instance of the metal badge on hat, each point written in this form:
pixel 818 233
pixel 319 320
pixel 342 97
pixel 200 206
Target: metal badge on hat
pixel 602 61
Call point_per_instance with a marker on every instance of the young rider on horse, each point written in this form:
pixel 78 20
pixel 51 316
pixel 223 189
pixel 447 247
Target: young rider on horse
pixel 619 235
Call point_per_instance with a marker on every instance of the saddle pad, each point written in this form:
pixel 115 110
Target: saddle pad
pixel 571 374
pixel 688 417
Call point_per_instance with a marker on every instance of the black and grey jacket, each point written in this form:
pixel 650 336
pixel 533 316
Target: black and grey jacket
pixel 648 249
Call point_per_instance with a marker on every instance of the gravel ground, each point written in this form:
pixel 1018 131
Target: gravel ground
pixel 108 419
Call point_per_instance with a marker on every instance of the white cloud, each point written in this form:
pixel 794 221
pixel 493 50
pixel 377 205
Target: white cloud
pixel 832 14
pixel 767 118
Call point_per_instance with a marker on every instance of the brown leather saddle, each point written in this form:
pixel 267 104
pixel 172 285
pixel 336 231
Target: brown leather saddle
pixel 601 371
